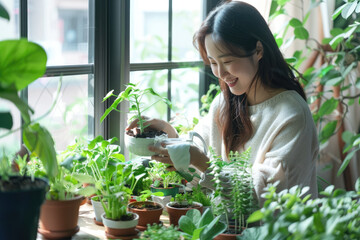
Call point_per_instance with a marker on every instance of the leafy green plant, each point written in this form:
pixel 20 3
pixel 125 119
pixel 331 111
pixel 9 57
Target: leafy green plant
pixel 146 195
pixel 161 177
pixel 199 196
pixel 134 95
pixel 291 214
pixel 239 202
pixel 203 227
pixel 162 232
pixel 183 198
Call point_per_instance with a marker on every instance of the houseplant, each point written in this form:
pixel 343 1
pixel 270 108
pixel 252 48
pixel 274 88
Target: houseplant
pixel 21 63
pixel 136 140
pixel 117 220
pixel 238 203
pixel 202 227
pixel 149 212
pixel 180 206
pixel 291 214
pixel 161 232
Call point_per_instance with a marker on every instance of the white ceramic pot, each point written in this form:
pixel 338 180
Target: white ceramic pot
pixel 98 209
pixel 139 146
pixel 117 224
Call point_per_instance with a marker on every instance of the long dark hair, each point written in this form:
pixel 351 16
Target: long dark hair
pixel 238 26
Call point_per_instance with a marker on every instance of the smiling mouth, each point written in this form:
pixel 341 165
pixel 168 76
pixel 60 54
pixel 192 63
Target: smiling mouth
pixel 232 82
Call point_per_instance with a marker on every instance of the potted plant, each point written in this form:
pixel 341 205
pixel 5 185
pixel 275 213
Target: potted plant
pixel 21 63
pixel 118 222
pixel 198 195
pixel 59 214
pixel 235 206
pixel 179 207
pixel 292 213
pixel 137 141
pixel 202 227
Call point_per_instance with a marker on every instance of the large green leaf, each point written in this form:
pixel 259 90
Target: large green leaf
pixel 328 107
pixel 6 120
pixel 348 9
pixel 39 141
pixel 327 131
pixel 4 13
pixel 21 62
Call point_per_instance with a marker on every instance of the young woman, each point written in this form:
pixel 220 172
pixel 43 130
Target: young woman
pixel 262 105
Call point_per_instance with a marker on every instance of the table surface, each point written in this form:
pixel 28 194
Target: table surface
pixel 88 229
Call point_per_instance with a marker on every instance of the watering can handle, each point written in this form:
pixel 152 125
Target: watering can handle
pixel 195 134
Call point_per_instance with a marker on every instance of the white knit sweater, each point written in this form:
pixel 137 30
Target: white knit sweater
pixel 284 145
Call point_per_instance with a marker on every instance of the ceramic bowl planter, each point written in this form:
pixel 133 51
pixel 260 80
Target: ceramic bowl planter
pixel 149 213
pixel 139 146
pixel 176 210
pixel 98 210
pixel 59 218
pixel 20 209
pixel 115 229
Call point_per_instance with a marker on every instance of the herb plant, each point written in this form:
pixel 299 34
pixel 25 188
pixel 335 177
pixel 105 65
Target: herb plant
pixel 239 202
pixel 162 232
pixel 291 214
pixel 134 95
pixel 161 177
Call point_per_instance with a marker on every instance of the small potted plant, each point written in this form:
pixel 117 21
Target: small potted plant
pixel 117 220
pixel 234 206
pixel 181 204
pixel 149 211
pixel 137 141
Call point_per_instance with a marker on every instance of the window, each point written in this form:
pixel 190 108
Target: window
pixel 96 46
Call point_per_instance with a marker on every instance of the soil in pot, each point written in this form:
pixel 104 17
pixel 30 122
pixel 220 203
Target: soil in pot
pixel 148 133
pixel 176 210
pixel 121 229
pixel 149 213
pixel 20 200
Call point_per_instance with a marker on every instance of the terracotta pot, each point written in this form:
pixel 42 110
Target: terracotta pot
pixel 20 209
pixel 59 218
pixel 146 216
pixel 228 236
pixel 118 228
pixel 175 213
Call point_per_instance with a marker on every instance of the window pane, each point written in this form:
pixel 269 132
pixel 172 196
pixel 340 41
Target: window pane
pixel 157 80
pixel 10 29
pixel 72 114
pixel 148 31
pixel 10 144
pixel 187 15
pixel 185 95
pixel 62 28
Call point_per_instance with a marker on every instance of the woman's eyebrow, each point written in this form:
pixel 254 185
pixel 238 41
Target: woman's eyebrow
pixel 221 56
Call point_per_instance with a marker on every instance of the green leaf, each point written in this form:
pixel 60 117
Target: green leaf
pixel 39 141
pixel 319 226
pixel 109 94
pixel 6 120
pixel 213 229
pixel 255 216
pixel 87 191
pixel 301 33
pixel 21 63
pixel 328 107
pixel 205 219
pixel 327 131
pixel 83 178
pixel 186 224
pixel 4 13
pixel 294 22
pixel 334 82
pixel 337 11
pixel 357 10
pixel 357 185
pixel 348 9
pixel 346 162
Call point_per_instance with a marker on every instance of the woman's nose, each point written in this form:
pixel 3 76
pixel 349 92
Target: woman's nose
pixel 222 71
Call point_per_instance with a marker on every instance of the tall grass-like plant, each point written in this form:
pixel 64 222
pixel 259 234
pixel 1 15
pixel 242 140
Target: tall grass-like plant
pixel 239 202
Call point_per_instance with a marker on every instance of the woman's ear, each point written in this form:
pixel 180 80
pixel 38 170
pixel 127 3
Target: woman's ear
pixel 259 50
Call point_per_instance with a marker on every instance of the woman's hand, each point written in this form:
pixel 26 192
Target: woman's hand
pixel 156 124
pixel 197 157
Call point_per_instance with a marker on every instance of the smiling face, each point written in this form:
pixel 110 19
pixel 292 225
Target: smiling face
pixel 237 72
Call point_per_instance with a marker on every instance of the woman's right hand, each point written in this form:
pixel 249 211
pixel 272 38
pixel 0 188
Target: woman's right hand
pixel 156 124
